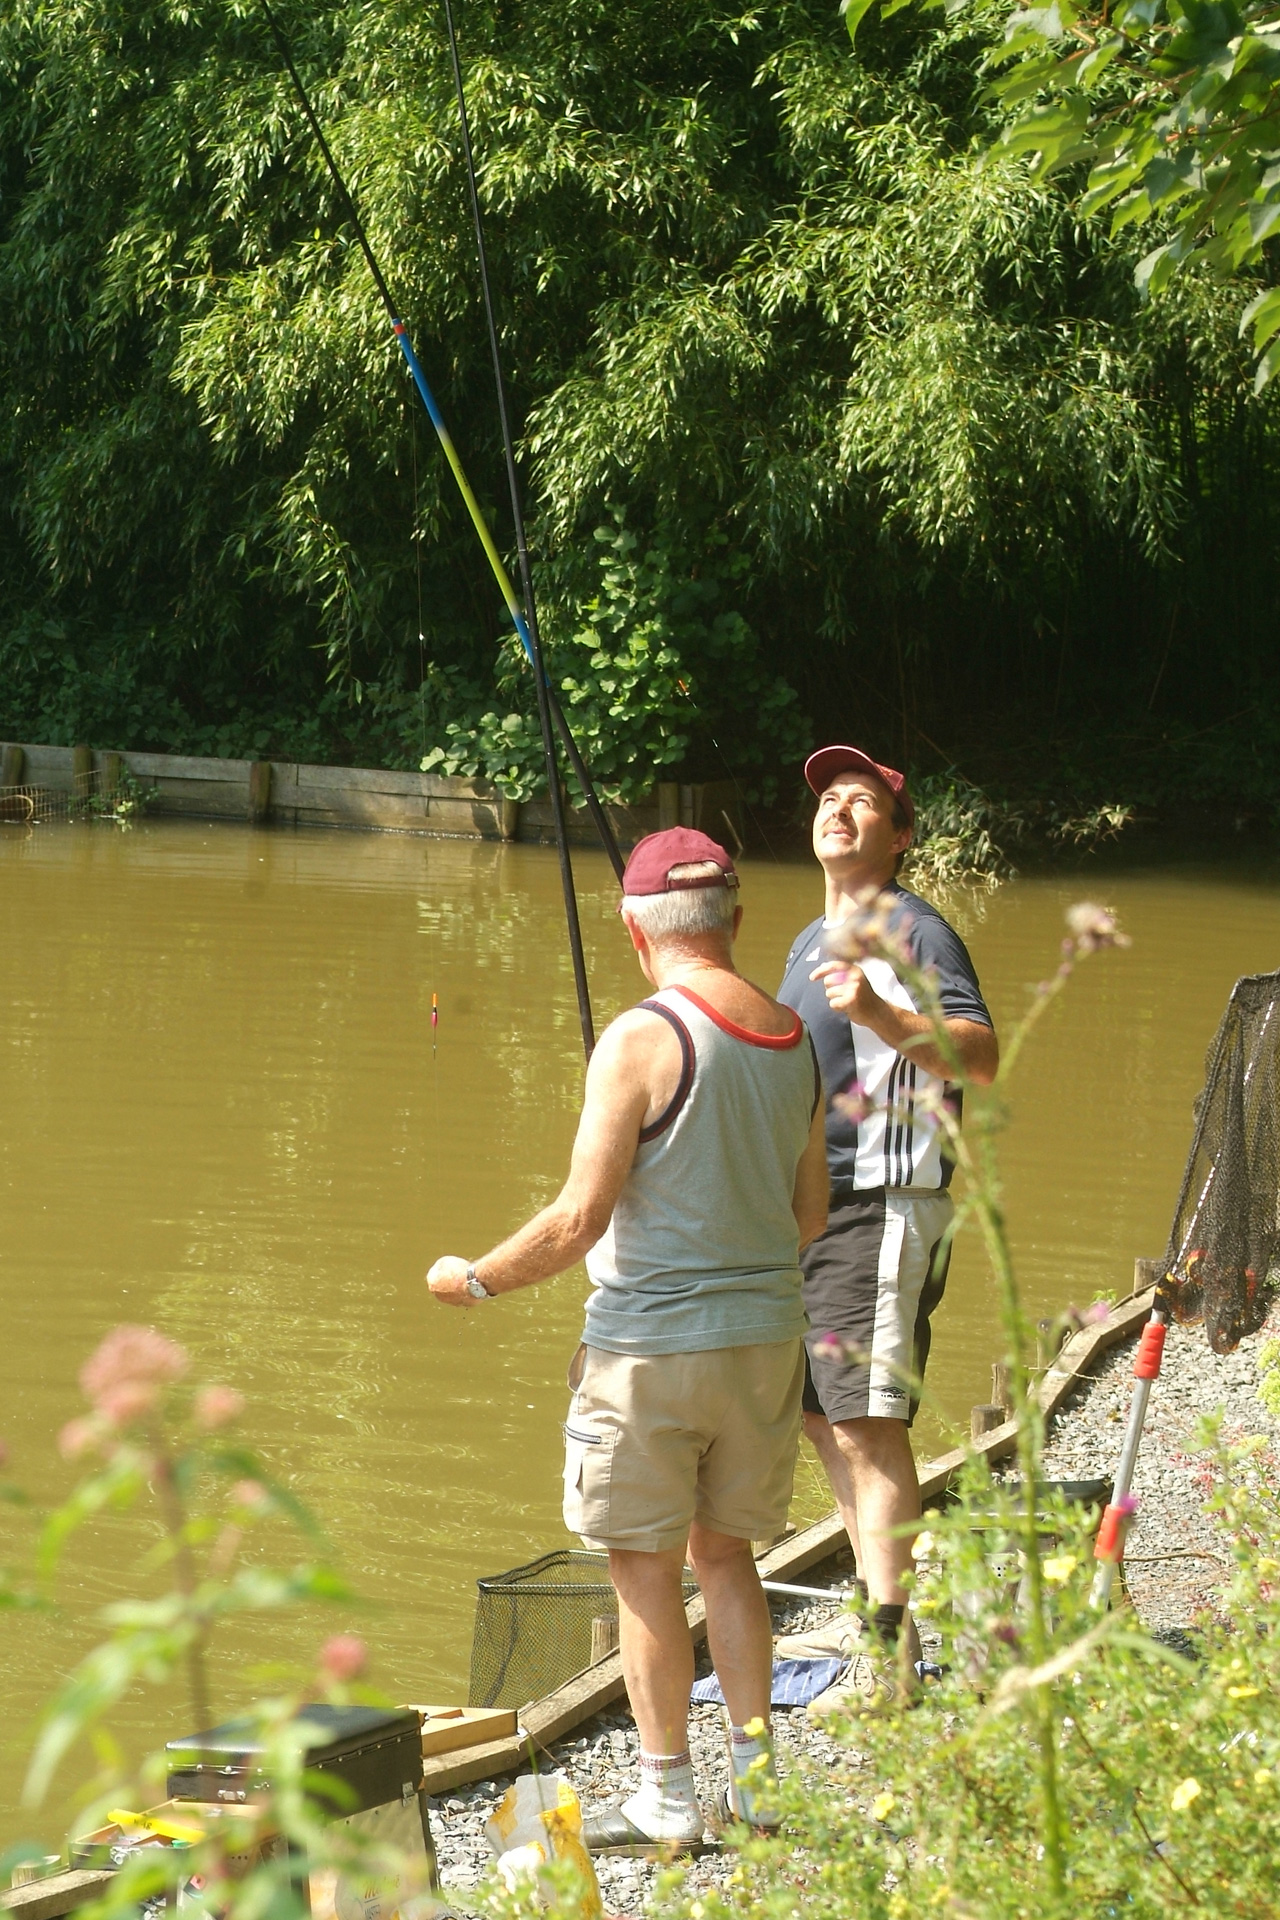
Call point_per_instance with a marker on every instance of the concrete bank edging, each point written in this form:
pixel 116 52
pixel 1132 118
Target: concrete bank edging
pixel 385 800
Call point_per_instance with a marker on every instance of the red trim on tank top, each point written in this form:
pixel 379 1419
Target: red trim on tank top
pixel 776 1042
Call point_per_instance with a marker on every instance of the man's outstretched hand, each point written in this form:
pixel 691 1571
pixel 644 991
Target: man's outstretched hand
pixel 447 1280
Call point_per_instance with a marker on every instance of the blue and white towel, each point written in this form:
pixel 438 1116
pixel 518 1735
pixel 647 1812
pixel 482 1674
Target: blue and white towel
pixel 795 1683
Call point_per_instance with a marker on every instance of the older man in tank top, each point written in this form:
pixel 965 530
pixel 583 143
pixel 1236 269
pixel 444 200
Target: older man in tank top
pixel 698 1172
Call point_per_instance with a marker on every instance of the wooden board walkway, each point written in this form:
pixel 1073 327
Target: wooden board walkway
pixel 598 1686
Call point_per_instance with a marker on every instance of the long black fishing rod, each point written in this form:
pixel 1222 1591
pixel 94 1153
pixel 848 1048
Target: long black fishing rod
pixel 598 815
pixel 527 637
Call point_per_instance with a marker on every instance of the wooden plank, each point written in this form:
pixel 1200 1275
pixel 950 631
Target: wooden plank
pixel 60 1893
pixel 185 766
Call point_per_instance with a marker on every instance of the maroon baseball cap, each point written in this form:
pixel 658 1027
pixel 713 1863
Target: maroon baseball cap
pixel 821 768
pixel 649 868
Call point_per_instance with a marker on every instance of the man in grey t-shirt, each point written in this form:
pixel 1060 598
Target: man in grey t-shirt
pixel 699 1170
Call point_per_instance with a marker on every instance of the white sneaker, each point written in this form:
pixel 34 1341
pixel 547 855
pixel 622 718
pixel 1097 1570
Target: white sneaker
pixel 836 1640
pixel 871 1685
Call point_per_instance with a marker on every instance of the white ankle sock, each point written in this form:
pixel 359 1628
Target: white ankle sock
pixel 665 1806
pixel 754 1775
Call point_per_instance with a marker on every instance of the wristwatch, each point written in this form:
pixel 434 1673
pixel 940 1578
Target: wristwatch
pixel 476 1288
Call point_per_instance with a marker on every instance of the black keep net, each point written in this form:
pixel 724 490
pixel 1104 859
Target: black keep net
pixel 1223 1260
pixel 534 1625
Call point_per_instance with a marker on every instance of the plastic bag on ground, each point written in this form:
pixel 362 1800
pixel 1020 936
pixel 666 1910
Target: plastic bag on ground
pixel 539 1820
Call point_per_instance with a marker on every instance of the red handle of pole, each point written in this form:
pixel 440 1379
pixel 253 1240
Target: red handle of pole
pixel 1109 1544
pixel 1150 1349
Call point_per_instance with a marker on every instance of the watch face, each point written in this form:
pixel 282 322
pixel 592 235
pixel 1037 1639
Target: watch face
pixel 477 1289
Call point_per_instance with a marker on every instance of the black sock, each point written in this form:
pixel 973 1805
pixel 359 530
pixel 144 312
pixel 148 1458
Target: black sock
pixel 886 1623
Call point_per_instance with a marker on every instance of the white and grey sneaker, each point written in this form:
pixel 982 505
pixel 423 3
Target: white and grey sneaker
pixel 837 1640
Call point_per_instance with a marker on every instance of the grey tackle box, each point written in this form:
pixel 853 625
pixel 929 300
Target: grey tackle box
pixel 375 1754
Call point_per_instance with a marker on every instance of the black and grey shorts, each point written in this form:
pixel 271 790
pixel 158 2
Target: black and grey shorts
pixel 872 1280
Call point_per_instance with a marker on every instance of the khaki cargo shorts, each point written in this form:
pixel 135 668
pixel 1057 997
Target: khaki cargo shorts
pixel 656 1441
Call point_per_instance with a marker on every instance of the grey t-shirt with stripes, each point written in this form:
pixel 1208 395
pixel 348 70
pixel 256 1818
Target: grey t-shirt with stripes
pixel 896 1145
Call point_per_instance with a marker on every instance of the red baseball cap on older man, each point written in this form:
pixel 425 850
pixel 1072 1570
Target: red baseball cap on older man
pixel 653 858
pixel 821 768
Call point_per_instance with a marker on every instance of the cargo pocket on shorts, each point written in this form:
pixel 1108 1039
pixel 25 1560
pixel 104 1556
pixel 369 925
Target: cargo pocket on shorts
pixel 588 1464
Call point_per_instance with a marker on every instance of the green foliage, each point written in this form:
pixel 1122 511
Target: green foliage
pixel 966 836
pixel 771 301
pixel 1168 1766
pixel 1172 106
pixel 654 673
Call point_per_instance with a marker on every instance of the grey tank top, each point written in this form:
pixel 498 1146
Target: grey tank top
pixel 702 1250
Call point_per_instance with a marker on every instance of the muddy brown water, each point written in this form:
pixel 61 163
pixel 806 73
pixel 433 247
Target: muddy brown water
pixel 221 1113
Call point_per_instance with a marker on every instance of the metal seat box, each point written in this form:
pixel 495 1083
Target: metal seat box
pixel 376 1754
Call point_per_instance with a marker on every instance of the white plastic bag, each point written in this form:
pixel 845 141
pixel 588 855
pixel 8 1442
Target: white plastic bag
pixel 537 1820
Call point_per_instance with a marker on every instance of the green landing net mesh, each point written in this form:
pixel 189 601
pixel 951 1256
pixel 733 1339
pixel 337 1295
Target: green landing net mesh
pixel 1222 1265
pixel 533 1626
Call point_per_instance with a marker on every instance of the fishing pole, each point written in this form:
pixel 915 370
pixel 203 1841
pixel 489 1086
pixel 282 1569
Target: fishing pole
pixel 528 638
pixel 598 815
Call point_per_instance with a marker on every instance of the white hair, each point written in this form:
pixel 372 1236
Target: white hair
pixel 685 910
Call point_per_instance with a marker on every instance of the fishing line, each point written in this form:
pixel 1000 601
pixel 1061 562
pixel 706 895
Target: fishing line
pixel 528 637
pixel 598 815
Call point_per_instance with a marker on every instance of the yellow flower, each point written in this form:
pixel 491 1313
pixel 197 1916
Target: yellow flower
pixel 754 1729
pixel 1184 1794
pixel 882 1806
pixel 697 1910
pixel 899 1907
pixel 1261 1776
pixel 1241 1693
pixel 1061 1568
pixel 923 1546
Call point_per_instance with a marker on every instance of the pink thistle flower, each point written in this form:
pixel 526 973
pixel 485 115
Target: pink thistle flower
pixel 216 1407
pixel 1093 1316
pixel 78 1437
pixel 343 1658
pixel 828 1346
pixel 132 1356
pixel 853 1102
pixel 250 1494
pixel 867 932
pixel 1127 1504
pixel 1093 927
pixel 123 1405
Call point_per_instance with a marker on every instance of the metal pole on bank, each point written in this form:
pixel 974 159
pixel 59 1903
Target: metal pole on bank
pixel 527 639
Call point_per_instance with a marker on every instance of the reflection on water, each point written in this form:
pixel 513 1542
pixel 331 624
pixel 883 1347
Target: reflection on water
pixel 221 1111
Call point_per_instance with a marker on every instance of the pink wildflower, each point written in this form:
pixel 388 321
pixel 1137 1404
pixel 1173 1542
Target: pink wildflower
pixel 853 1102
pixel 132 1357
pixel 343 1658
pixel 1094 1315
pixel 1093 927
pixel 828 1346
pixel 868 931
pixel 1127 1504
pixel 217 1407
pixel 251 1494
pixel 121 1406
pixel 77 1438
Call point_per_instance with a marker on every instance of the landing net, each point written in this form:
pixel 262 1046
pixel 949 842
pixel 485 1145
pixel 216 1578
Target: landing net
pixel 533 1625
pixel 1222 1265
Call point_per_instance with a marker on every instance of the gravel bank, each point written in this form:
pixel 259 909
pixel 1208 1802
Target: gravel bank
pixel 602 1762
pixel 1173 1561
pixel 1172 1556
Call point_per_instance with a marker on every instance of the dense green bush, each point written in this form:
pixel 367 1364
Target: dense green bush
pixel 769 298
